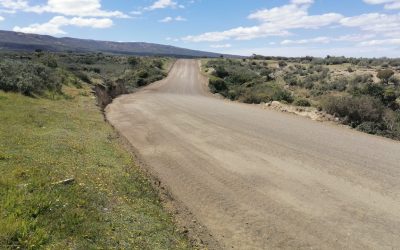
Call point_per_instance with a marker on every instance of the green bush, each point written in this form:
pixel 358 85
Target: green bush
pixel 354 110
pixel 218 85
pixel 83 77
pixel 28 78
pixel 221 72
pixel 266 93
pixel 282 64
pixel 133 61
pixel 143 74
pixel 385 75
pixel 302 102
pixel 241 76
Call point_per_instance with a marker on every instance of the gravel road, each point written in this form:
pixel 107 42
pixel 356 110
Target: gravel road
pixel 260 179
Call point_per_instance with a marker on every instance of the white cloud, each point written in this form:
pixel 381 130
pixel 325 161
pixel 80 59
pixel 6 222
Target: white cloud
pixel 82 8
pixel 162 4
pixel 321 39
pixel 276 21
pixel 136 12
pixel 355 37
pixel 180 19
pixel 395 42
pixel 325 40
pixel 53 27
pixel 221 46
pixel 1 18
pixel 302 1
pixel 169 19
pixel 293 17
pixel 383 24
pixel 172 39
pixel 14 4
pixel 240 33
pixel 388 4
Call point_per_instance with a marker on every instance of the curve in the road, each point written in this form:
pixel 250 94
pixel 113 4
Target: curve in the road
pixel 260 179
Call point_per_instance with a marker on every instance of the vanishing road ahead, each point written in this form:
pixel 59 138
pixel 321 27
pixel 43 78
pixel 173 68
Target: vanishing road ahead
pixel 260 179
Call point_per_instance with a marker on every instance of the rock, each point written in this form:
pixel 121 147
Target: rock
pixel 275 104
pixel 65 182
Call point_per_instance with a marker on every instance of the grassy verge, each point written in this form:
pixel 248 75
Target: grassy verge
pixel 110 204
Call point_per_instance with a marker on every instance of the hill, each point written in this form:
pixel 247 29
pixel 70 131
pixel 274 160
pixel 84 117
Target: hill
pixel 17 41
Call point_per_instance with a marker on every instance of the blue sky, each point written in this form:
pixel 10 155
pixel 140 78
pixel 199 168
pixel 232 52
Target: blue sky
pixel 362 28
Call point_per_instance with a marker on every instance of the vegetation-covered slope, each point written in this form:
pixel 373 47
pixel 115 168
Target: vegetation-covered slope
pixel 363 93
pixel 66 181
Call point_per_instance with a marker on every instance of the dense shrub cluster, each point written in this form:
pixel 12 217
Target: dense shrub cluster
pixel 246 81
pixel 367 99
pixel 28 78
pixel 41 72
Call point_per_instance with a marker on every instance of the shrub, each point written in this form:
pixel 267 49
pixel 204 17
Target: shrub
pixel 355 110
pixel 221 72
pixel 371 127
pixel 133 61
pixel 385 75
pixel 141 82
pixel 373 89
pixel 389 97
pixel 217 85
pixel 143 74
pixel 158 64
pixel 83 77
pixel 241 76
pixel 302 102
pixel 394 80
pixel 282 64
pixel 268 73
pixel 49 61
pixel 27 78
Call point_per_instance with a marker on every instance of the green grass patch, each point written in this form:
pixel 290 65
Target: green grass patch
pixel 110 205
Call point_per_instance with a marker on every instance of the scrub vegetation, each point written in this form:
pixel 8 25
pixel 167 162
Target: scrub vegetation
pixel 363 93
pixel 66 180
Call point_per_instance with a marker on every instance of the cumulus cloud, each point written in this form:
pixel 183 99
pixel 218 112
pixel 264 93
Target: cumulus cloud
pixel 53 27
pixel 1 18
pixel 14 4
pixel 384 24
pixel 388 4
pixel 276 21
pixel 81 8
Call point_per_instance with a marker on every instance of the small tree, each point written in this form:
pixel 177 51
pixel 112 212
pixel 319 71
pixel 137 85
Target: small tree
pixel 385 74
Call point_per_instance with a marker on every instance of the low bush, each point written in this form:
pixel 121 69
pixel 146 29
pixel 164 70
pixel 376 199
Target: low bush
pixel 302 102
pixel 385 75
pixel 218 85
pixel 28 78
pixel 354 110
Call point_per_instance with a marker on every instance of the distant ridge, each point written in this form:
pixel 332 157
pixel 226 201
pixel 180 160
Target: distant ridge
pixel 10 40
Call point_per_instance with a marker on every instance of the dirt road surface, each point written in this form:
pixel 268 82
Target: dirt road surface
pixel 260 179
